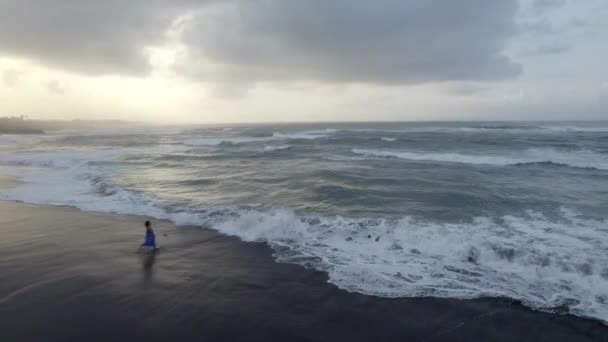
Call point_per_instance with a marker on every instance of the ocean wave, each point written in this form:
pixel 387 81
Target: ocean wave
pixel 580 158
pixel 309 135
pixel 556 263
pixel 220 141
pixel 58 159
pixel 547 128
pixel 11 139
pixel 547 264
pixel 388 139
pixel 597 129
pixel 300 136
pixel 442 157
pixel 534 129
pixel 448 129
pixel 410 257
pixel 341 158
pixel 198 182
pixel 515 129
pixel 270 148
pixel 503 127
pixel 549 164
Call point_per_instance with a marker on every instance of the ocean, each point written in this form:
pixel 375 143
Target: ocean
pixel 458 210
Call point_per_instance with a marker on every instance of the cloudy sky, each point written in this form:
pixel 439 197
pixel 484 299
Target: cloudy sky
pixel 304 60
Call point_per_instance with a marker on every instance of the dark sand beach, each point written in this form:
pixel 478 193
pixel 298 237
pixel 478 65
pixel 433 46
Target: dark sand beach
pixel 7 182
pixel 74 276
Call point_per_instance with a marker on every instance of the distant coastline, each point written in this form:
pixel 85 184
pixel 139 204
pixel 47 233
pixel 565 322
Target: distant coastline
pixel 21 131
pixel 18 125
pixel 22 125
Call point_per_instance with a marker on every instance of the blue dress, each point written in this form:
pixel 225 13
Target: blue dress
pixel 150 239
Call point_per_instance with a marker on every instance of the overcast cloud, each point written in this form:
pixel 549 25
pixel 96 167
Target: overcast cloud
pixel 217 53
pixel 384 41
pixel 88 36
pixel 387 41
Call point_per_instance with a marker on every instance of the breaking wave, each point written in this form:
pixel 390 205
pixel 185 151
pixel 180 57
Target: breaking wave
pixel 243 140
pixel 580 159
pixel 557 264
pixel 550 258
pixel 269 148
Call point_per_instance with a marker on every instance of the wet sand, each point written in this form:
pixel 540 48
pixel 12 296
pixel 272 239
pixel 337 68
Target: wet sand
pixel 7 182
pixel 67 275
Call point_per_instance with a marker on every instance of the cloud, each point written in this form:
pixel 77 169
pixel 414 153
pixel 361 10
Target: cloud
pixel 554 17
pixel 56 87
pixel 248 41
pixel 10 77
pixel 553 48
pixel 340 41
pixel 577 23
pixel 541 6
pixel 87 36
pixel 467 89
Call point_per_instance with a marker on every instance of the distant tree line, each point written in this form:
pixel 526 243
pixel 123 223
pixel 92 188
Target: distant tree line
pixel 19 125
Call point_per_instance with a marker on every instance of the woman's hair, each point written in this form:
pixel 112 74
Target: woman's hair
pixel 147 223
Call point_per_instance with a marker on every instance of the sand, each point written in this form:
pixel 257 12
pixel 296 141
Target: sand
pixel 7 182
pixel 67 275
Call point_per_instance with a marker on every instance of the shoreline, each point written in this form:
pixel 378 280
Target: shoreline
pixel 72 274
pixel 8 182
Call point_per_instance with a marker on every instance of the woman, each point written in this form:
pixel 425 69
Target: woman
pixel 150 237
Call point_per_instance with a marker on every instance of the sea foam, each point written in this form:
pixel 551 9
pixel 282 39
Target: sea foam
pixel 549 263
pixel 546 263
pixel 581 158
pixel 310 135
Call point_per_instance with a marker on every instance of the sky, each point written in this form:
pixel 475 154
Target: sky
pixel 208 61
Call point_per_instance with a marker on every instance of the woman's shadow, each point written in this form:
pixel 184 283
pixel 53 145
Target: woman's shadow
pixel 147 263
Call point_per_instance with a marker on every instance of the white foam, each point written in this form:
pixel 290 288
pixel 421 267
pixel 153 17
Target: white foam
pixel 544 263
pixel 581 158
pixel 308 135
pixel 344 158
pixel 302 135
pixel 388 139
pixel 450 129
pixel 269 148
pixel 69 178
pixel 598 129
pixel 219 141
pixel 486 129
pixel 8 140
pixel 57 159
